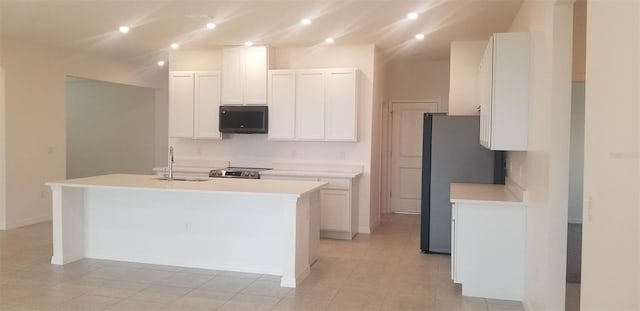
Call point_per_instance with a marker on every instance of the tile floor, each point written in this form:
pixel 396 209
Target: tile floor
pixel 381 271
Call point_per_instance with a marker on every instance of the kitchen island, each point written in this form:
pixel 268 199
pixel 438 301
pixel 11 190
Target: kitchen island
pixel 256 226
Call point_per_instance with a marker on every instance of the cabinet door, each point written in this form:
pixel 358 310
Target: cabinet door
pixel 454 252
pixel 232 76
pixel 181 104
pixel 335 211
pixel 310 105
pixel 255 76
pixel 485 87
pixel 207 101
pixel 510 89
pixel 282 104
pixel 341 105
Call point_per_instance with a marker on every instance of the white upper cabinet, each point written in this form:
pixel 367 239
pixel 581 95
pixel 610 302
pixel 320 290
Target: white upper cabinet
pixel 244 75
pixel 206 105
pixel 340 103
pixel 310 105
pixel 194 98
pixel 503 92
pixel 232 71
pixel 256 75
pixel 181 99
pixel 313 105
pixel 282 104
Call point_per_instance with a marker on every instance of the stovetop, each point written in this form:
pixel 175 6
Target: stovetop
pixel 237 172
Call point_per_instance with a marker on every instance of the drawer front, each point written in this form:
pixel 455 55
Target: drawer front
pixel 336 183
pixel 289 178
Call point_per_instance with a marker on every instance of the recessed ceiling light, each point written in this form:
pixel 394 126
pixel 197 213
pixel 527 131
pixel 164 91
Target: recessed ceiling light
pixel 248 43
pixel 160 63
pixel 175 45
pixel 420 36
pixel 412 15
pixel 124 29
pixel 305 21
pixel 211 25
pixel 329 40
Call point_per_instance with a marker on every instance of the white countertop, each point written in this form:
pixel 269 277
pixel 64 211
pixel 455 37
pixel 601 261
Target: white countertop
pixel 212 185
pixel 482 194
pixel 270 172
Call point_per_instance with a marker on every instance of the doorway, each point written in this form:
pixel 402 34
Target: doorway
pixel 406 154
pixel 110 128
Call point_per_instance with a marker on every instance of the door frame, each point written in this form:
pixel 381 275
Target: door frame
pixel 388 143
pixel 3 159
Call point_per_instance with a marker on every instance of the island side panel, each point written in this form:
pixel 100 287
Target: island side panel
pixel 314 226
pixel 233 232
pixel 68 219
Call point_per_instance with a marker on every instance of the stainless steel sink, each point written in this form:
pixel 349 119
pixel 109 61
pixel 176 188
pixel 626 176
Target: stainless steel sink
pixel 184 178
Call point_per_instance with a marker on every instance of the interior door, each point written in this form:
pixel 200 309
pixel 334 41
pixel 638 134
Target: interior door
pixel 406 155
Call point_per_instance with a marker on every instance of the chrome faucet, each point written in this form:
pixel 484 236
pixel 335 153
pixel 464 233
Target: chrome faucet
pixel 170 164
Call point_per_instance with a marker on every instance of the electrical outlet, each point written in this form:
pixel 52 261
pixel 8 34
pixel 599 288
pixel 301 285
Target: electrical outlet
pixel 51 150
pixel 343 155
pixel 520 171
pixel 187 227
pixel 293 153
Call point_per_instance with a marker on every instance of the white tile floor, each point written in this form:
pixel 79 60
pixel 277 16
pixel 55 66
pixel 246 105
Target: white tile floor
pixel 381 271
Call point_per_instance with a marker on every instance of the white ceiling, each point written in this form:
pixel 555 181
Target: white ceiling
pixel 91 25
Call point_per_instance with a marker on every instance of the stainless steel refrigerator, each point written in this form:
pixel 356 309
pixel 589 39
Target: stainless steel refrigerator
pixel 451 153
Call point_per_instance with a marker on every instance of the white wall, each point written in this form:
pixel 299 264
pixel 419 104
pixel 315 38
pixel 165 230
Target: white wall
pixel 576 153
pixel 256 147
pixel 110 128
pixel 579 39
pixel 465 59
pixel 545 166
pixel 611 228
pixel 378 196
pixel 419 80
pixel 35 78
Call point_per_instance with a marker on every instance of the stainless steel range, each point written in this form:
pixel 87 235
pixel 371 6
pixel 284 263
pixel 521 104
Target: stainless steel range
pixel 237 172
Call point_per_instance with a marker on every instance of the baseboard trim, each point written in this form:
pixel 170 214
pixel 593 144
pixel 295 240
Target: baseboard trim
pixel 26 222
pixel 364 230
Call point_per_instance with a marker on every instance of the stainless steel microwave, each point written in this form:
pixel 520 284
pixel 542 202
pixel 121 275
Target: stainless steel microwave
pixel 243 119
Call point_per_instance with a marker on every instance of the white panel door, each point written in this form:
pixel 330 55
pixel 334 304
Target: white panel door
pixel 207 103
pixel 282 104
pixel 232 76
pixel 255 79
pixel 335 212
pixel 310 105
pixel 181 104
pixel 406 155
pixel 341 105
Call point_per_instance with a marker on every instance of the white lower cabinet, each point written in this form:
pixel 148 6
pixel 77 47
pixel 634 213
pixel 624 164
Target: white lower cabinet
pixel 338 217
pixel 488 249
pixel 335 210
